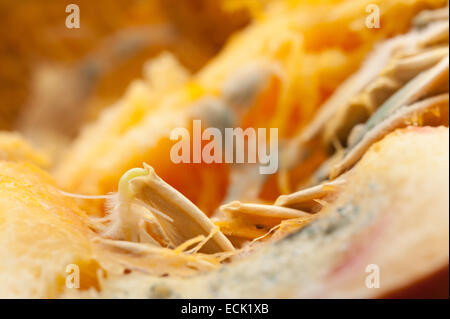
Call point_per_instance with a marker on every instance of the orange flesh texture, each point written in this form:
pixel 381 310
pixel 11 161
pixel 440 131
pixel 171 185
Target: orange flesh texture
pixel 313 63
pixel 42 232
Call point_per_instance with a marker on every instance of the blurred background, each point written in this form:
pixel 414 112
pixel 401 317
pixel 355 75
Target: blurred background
pixel 43 63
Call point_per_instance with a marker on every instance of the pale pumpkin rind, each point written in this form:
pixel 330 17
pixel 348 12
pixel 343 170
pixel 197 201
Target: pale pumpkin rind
pixel 393 214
